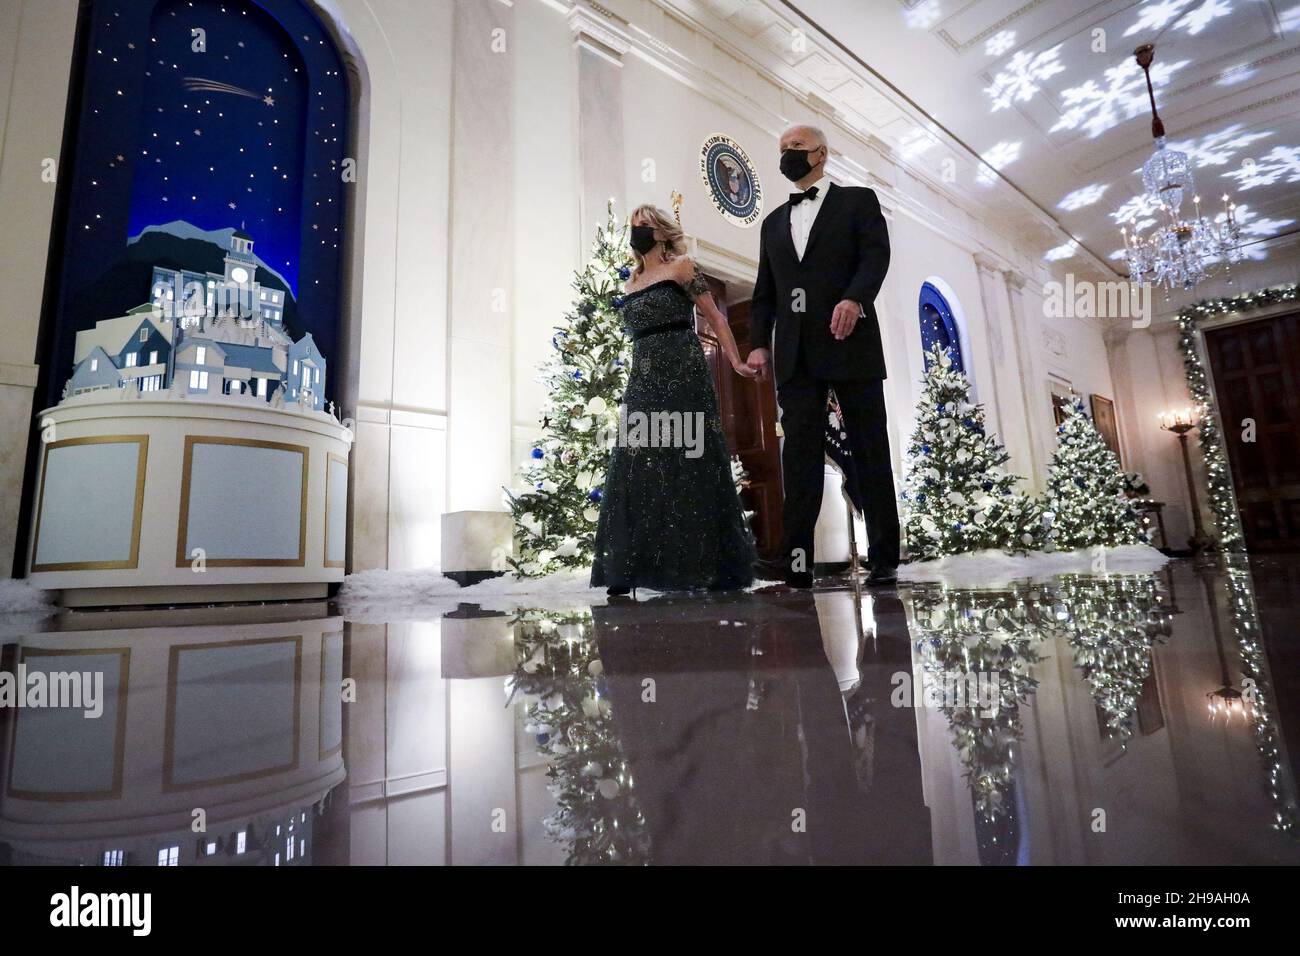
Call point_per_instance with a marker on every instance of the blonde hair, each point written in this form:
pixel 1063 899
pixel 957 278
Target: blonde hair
pixel 671 246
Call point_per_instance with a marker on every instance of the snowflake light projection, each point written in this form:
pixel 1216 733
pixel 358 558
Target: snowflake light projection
pixel 916 142
pixel 1281 163
pixel 1064 251
pixel 1095 107
pixel 1216 149
pixel 1185 15
pixel 1257 228
pixel 999 157
pixel 1000 43
pixel 1141 210
pixel 1019 80
pixel 924 15
pixel 1083 196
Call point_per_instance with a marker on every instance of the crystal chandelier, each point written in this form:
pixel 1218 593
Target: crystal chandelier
pixel 1178 251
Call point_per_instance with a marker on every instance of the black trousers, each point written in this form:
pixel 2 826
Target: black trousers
pixel 803 420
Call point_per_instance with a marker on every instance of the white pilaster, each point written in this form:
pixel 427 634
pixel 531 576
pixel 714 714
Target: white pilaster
pixel 600 42
pixel 481 314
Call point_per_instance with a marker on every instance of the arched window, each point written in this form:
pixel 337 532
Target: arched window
pixel 206 151
pixel 939 326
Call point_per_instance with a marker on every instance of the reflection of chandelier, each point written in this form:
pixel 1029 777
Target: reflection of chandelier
pixel 1178 251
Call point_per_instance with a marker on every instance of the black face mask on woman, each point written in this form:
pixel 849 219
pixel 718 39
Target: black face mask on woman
pixel 643 239
pixel 795 165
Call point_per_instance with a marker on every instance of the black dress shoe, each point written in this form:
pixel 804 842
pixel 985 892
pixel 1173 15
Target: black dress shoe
pixel 883 576
pixel 799 579
pixel 617 592
pixel 768 570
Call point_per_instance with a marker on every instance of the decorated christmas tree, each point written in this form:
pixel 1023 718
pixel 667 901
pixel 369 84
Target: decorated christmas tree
pixel 957 496
pixel 1085 501
pixel 556 508
pixel 597 816
pixel 978 651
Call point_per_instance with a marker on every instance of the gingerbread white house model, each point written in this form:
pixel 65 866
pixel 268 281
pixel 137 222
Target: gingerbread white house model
pixel 167 403
pixel 204 334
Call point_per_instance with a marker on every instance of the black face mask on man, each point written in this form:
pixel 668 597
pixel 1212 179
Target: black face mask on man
pixel 643 239
pixel 795 165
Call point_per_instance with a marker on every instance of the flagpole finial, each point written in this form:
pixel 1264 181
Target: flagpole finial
pixel 677 206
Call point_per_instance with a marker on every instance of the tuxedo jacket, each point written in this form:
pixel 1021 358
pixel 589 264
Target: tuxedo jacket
pixel 847 257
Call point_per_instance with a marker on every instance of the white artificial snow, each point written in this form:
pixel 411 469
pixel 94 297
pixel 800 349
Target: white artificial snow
pixel 995 568
pixel 19 597
pixel 381 595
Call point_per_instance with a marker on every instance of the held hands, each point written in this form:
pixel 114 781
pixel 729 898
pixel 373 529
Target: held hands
pixel 744 369
pixel 758 364
pixel 845 318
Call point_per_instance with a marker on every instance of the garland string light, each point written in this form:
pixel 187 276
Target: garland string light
pixel 1223 502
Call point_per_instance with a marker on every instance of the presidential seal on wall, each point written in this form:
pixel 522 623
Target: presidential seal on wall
pixel 731 179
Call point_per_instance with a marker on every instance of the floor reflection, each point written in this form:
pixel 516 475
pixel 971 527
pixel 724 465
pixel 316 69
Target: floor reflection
pixel 1079 720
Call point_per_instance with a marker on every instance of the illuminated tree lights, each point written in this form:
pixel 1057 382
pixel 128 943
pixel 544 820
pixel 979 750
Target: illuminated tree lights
pixel 597 816
pixel 958 497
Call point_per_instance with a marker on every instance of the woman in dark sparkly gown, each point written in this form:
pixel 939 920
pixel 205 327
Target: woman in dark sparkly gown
pixel 670 519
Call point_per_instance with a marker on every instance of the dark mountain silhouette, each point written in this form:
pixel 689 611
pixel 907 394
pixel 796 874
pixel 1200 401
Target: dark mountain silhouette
pixel 127 283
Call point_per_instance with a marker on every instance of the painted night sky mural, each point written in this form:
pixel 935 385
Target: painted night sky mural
pixel 241 125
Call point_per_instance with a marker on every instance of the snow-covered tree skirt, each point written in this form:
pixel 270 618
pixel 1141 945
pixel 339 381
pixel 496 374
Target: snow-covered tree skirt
pixel 19 597
pixel 995 568
pixel 384 596
pixel 381 595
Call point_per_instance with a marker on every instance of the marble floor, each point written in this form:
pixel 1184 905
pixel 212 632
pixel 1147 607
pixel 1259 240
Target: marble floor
pixel 1121 719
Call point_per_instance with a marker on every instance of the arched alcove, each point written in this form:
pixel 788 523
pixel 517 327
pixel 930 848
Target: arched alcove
pixel 197 131
pixel 190 121
pixel 941 323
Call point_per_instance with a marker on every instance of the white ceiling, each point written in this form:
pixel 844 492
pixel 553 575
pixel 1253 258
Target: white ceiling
pixel 1047 91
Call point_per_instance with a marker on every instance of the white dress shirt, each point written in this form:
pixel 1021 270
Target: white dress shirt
pixel 804 215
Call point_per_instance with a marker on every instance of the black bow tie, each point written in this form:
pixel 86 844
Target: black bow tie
pixel 809 193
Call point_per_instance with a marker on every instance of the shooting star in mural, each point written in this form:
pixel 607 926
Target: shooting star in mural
pixel 197 84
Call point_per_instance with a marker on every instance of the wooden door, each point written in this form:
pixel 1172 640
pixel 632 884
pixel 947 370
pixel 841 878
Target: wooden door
pixel 1256 368
pixel 748 410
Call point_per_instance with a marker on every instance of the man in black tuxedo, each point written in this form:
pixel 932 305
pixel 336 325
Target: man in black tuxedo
pixel 822 258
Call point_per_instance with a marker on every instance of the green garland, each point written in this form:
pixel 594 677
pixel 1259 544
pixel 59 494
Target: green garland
pixel 1218 475
pixel 1262 709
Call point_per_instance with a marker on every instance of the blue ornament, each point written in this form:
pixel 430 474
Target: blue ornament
pixel 538 453
pixel 1060 429
pixel 577 374
pixel 624 272
pixel 925 449
pixel 594 494
pixel 618 302
pixel 988 486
